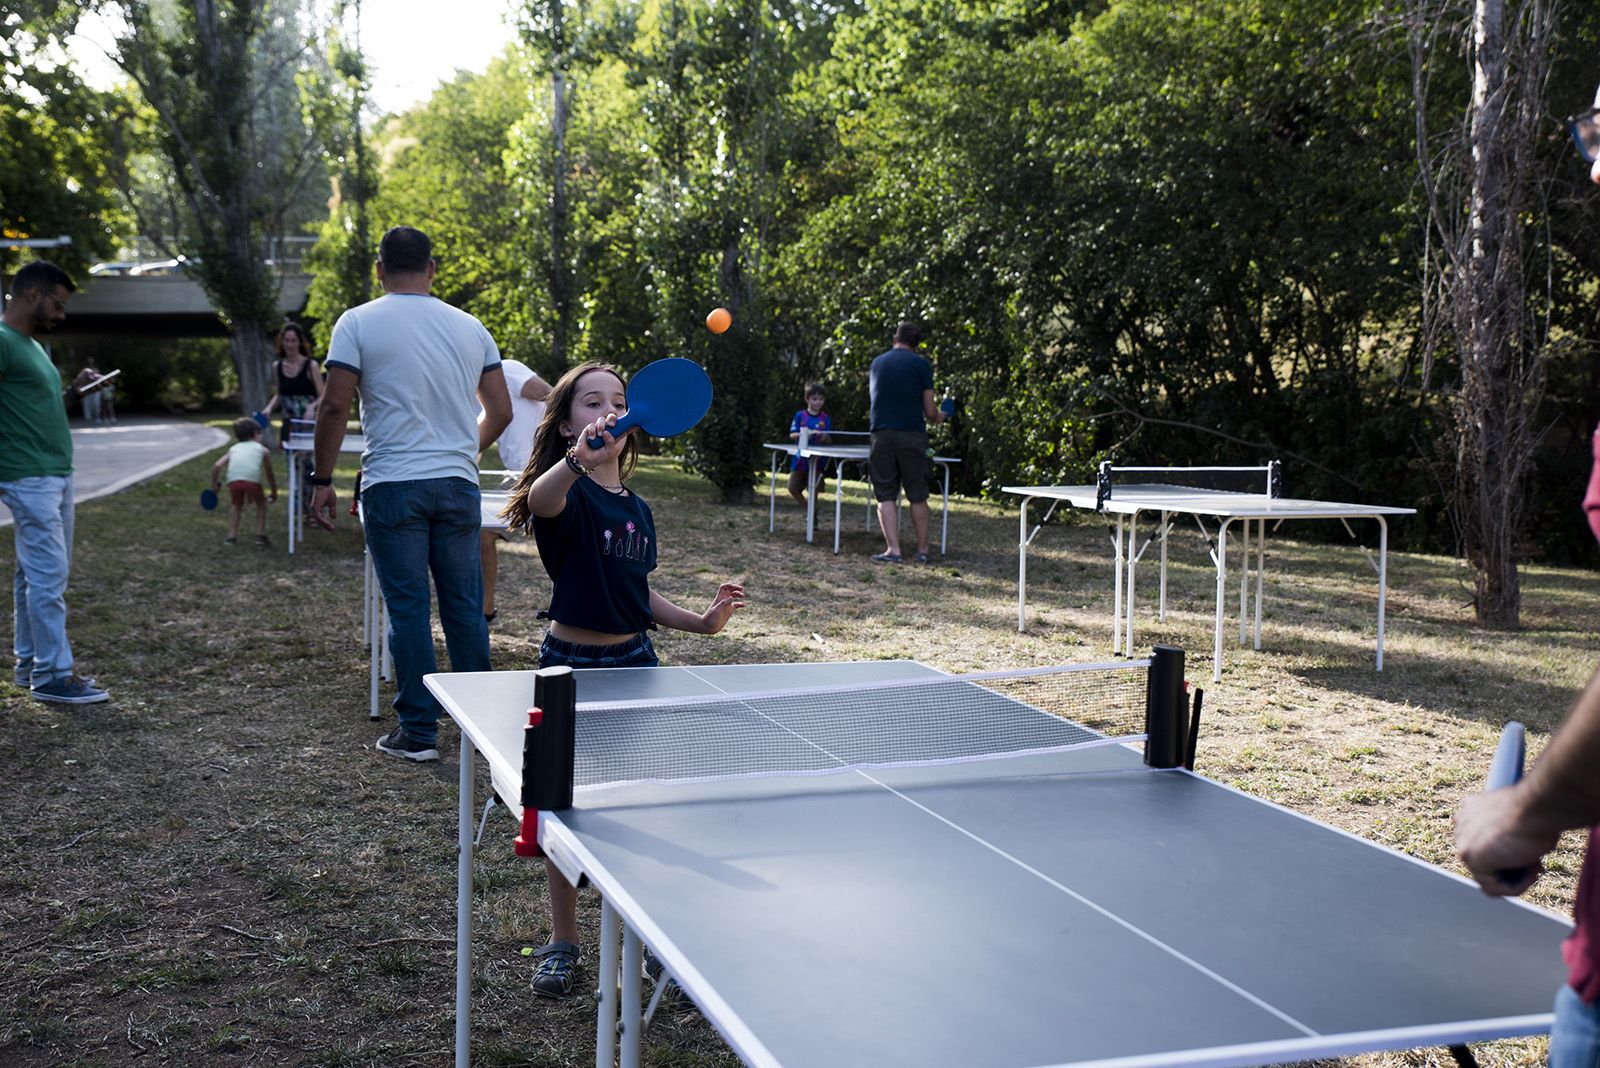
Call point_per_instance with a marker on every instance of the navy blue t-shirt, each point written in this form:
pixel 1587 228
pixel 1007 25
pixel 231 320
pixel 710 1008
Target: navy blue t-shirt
pixel 895 385
pixel 599 553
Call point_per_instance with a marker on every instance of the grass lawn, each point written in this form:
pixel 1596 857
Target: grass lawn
pixel 216 868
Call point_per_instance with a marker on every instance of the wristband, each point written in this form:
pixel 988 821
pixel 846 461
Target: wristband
pixel 572 462
pixel 317 480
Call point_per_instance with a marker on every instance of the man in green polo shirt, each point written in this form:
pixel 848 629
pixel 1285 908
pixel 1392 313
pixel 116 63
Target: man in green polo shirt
pixel 36 484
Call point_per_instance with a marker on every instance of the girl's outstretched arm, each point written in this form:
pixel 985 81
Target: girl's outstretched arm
pixel 729 599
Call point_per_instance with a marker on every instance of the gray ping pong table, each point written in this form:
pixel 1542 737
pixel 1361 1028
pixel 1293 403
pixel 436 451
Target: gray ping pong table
pixel 841 454
pixel 1053 906
pixel 1170 497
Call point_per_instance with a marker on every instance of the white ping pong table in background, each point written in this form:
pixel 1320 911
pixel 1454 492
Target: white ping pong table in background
pixel 302 441
pixel 1166 494
pixel 1052 906
pixel 842 454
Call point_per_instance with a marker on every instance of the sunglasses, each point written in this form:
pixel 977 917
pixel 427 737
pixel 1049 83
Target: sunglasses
pixel 1586 134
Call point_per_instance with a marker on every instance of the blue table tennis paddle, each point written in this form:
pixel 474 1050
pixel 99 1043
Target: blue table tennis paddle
pixel 1505 770
pixel 260 418
pixel 948 406
pixel 208 498
pixel 665 398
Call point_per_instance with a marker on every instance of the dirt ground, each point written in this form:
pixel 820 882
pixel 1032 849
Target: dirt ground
pixel 216 868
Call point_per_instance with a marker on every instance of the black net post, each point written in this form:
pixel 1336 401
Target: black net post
pixel 1166 711
pixel 549 746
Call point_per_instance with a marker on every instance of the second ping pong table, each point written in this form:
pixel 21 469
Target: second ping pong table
pixel 1055 905
pixel 1161 490
pixel 841 454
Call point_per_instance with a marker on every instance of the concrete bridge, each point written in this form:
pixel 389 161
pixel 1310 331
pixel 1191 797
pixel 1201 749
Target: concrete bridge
pixel 171 305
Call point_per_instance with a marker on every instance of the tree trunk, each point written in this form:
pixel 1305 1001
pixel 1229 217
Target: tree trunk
pixel 252 358
pixel 1489 311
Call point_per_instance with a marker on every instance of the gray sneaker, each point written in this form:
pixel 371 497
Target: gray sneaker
pixel 71 690
pixel 22 674
pixel 398 743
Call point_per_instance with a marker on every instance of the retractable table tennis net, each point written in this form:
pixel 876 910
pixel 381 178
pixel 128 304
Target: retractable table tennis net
pixel 900 723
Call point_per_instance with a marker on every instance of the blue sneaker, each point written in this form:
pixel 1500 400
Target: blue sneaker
pixel 71 690
pixel 23 674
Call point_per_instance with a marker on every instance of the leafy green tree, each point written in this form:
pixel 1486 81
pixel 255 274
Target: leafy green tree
pixel 61 142
pixel 220 77
pixel 341 261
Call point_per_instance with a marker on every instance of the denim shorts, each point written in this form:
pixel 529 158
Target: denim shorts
pixel 635 652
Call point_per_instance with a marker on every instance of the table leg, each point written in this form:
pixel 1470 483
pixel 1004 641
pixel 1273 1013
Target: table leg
pixel 1244 577
pixel 1133 565
pixel 772 495
pixel 605 1028
pixel 1022 566
pixel 1261 570
pixel 629 1009
pixel 811 502
pixel 1116 593
pixel 1165 524
pixel 1383 579
pixel 944 522
pixel 464 909
pixel 1222 582
pixel 294 496
pixel 838 505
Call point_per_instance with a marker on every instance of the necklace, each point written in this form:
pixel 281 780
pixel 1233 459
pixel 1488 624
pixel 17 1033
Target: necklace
pixel 612 487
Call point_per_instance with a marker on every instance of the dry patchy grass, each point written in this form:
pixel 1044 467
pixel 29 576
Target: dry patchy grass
pixel 216 868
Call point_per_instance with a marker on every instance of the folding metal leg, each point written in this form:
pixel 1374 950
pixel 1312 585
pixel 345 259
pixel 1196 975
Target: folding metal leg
pixel 838 506
pixel 605 1036
pixel 1116 593
pixel 464 908
pixel 1022 565
pixel 1261 571
pixel 1133 566
pixel 1383 579
pixel 294 498
pixel 1244 577
pixel 632 1017
pixel 772 493
pixel 1222 581
pixel 1166 525
pixel 944 522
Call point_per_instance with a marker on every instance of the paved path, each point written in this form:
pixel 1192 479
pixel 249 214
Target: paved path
pixel 108 459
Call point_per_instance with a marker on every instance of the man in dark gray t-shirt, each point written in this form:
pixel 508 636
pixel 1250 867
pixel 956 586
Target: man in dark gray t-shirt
pixel 900 384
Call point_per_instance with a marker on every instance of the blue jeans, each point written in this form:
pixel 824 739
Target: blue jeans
pixel 414 529
pixel 639 652
pixel 43 512
pixel 1575 1035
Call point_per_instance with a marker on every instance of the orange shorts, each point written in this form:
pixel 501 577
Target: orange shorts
pixel 245 492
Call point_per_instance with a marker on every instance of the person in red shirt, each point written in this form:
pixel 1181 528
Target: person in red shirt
pixel 1507 832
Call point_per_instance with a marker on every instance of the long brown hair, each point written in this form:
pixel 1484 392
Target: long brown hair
pixel 550 446
pixel 300 332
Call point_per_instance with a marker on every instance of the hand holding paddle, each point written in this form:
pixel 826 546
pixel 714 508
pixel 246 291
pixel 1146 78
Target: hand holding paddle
pixel 1499 853
pixel 665 399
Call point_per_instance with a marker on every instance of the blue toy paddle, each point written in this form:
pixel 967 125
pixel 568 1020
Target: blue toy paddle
pixel 665 398
pixel 208 499
pixel 1505 770
pixel 948 406
pixel 260 418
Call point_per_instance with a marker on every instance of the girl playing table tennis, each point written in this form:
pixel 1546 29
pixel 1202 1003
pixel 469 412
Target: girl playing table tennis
pixel 597 539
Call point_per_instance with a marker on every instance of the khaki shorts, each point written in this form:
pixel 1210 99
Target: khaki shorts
pixel 899 459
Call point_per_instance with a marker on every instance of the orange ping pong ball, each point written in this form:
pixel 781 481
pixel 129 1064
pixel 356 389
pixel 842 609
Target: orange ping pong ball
pixel 719 320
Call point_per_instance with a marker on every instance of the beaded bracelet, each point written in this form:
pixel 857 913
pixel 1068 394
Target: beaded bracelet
pixel 572 462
